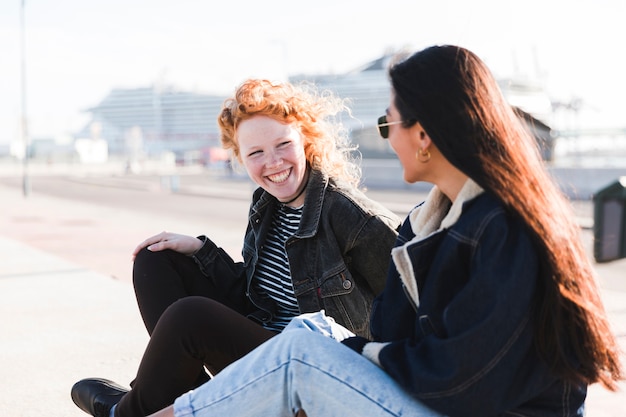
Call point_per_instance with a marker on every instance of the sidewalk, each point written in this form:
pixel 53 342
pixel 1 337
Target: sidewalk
pixel 62 322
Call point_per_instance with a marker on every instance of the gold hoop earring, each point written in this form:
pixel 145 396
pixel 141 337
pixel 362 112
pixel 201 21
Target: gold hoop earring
pixel 423 155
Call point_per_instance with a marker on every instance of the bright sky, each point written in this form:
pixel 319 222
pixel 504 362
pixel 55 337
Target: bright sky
pixel 77 50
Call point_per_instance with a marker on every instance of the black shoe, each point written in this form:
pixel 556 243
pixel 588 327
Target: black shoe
pixel 96 396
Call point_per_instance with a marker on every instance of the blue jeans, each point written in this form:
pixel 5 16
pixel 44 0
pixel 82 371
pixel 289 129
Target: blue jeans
pixel 302 368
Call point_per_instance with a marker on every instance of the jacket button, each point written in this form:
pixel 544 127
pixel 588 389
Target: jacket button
pixel 347 285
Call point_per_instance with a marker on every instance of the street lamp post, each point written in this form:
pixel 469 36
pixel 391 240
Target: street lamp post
pixel 24 124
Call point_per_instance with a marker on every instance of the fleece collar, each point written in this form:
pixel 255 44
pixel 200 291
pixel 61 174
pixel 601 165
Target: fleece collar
pixel 436 214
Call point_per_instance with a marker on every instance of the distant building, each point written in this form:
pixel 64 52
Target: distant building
pixel 368 89
pixel 153 120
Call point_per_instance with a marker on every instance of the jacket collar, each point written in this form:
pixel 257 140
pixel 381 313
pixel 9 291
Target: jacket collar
pixel 436 214
pixel 313 202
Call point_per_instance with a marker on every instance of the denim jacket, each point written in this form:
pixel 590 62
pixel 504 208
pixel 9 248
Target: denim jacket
pixel 338 257
pixel 453 325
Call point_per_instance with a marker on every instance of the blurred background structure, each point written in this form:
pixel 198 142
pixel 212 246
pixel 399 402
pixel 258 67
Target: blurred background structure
pixel 142 123
pixel 143 80
pixel 164 123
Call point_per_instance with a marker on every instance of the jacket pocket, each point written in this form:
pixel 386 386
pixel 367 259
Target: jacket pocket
pixel 338 284
pixel 346 302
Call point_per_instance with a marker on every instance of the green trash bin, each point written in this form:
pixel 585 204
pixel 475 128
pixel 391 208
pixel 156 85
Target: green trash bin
pixel 609 222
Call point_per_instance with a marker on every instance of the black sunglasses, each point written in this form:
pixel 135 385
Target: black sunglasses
pixel 383 126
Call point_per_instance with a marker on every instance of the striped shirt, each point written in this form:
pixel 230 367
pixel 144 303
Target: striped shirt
pixel 272 276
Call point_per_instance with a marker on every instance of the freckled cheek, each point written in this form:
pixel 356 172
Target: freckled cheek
pixel 292 156
pixel 253 168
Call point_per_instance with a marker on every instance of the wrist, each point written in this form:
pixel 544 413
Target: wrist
pixel 203 239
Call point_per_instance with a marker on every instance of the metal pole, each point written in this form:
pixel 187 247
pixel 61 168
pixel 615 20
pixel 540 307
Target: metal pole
pixel 25 139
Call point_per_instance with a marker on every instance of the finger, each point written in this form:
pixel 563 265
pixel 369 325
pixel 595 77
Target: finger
pixel 148 242
pixel 143 244
pixel 159 246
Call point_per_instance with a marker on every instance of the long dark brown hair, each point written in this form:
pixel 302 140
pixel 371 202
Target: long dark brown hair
pixel 454 96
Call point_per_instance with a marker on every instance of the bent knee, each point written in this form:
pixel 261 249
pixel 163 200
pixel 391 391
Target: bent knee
pixel 149 266
pixel 302 340
pixel 192 305
pixel 146 256
pixel 205 311
pixel 188 314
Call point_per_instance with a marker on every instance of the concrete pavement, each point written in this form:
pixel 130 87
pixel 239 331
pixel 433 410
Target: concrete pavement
pixel 63 321
pixel 60 323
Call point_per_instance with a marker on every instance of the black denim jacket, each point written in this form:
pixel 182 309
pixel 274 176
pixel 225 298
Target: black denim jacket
pixel 338 257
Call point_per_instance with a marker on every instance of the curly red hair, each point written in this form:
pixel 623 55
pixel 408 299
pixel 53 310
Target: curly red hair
pixel 312 112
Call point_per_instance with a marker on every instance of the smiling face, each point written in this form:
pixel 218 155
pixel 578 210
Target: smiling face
pixel 273 155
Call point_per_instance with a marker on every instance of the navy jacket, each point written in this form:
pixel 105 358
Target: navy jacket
pixel 453 325
pixel 338 257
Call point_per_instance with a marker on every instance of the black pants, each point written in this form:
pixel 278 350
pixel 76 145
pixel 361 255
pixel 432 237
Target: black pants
pixel 190 328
